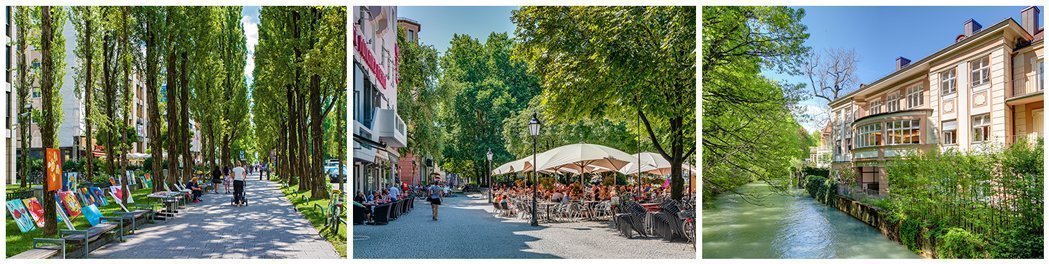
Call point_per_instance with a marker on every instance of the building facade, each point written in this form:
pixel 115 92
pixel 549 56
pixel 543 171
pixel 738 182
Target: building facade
pixel 982 92
pixel 378 131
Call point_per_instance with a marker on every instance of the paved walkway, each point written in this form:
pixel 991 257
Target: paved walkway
pixel 267 228
pixel 469 229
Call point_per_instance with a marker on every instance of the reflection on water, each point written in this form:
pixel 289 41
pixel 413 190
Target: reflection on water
pixel 788 226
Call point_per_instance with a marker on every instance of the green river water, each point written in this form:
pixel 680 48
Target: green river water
pixel 789 226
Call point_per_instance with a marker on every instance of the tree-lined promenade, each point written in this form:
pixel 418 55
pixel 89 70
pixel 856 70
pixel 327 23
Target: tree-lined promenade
pixel 192 65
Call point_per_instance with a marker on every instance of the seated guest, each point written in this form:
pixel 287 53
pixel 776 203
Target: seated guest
pixel 197 191
pixel 360 198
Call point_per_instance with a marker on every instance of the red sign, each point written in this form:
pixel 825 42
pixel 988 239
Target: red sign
pixel 362 47
pixel 54 169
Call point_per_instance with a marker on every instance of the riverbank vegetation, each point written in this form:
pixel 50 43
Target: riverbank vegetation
pixel 970 205
pixel 749 127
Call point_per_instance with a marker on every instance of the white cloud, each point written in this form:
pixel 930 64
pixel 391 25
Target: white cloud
pixel 251 33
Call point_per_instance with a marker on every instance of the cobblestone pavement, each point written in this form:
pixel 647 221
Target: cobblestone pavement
pixel 469 229
pixel 267 228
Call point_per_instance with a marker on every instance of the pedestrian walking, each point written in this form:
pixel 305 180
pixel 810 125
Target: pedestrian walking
pixel 436 193
pixel 227 179
pixel 239 177
pixel 216 178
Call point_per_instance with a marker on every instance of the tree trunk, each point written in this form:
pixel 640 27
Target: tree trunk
pixel 319 190
pixel 293 149
pixel 155 144
pixel 109 91
pixel 172 113
pixel 187 140
pixel 125 146
pixel 48 128
pixel 24 89
pixel 89 170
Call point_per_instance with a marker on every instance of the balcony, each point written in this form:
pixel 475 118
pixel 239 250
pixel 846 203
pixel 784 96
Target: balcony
pixel 1027 85
pixel 390 128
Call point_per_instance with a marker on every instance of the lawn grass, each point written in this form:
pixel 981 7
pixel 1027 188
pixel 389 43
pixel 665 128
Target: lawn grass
pixel 306 207
pixel 18 242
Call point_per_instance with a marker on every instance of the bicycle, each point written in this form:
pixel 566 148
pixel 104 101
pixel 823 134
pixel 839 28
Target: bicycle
pixel 688 215
pixel 333 212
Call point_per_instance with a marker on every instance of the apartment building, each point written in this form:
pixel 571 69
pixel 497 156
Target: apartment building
pixel 981 92
pixel 378 131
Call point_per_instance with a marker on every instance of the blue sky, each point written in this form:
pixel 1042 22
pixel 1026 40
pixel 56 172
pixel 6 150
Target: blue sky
pixel 440 23
pixel 880 34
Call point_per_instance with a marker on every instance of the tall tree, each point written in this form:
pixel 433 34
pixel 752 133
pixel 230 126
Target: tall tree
pixel 749 133
pixel 23 88
pixel 483 87
pixel 85 20
pixel 52 70
pixel 151 26
pixel 172 37
pixel 418 97
pixel 623 63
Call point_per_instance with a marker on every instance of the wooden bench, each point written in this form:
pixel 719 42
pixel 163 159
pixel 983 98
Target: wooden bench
pixel 40 252
pixel 85 238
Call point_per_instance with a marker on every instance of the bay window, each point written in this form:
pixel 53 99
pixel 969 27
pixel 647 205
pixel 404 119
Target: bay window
pixel 902 132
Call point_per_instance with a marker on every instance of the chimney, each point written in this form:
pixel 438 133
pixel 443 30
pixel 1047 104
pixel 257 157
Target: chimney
pixel 971 26
pixel 902 62
pixel 1029 19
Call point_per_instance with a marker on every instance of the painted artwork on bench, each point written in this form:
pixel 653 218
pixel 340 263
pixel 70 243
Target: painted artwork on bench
pixel 100 196
pixel 21 215
pixel 147 181
pixel 35 210
pixel 62 216
pixel 92 214
pixel 119 195
pixel 69 204
pixel 85 196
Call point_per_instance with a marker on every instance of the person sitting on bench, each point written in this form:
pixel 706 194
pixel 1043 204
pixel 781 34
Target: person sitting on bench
pixel 197 191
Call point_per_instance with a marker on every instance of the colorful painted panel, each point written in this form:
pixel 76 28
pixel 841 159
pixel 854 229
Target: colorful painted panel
pixel 70 204
pixel 35 210
pixel 21 215
pixel 92 214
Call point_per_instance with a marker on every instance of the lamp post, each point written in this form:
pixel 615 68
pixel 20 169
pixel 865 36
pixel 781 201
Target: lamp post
pixel 488 173
pixel 533 128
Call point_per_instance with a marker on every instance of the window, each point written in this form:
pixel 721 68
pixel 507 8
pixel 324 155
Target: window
pixel 950 132
pixel 1041 72
pixel 902 132
pixel 868 135
pixel 948 82
pixel 981 127
pixel 411 35
pixel 875 107
pixel 893 103
pixel 915 96
pixel 980 71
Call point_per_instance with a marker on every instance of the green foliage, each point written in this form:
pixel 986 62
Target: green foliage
pixel 418 96
pixel 910 232
pixel 627 64
pixel 952 190
pixel 482 87
pixel 749 132
pixel 823 172
pixel 959 243
pixel 822 189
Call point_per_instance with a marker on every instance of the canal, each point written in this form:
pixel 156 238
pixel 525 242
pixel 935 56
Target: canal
pixel 788 226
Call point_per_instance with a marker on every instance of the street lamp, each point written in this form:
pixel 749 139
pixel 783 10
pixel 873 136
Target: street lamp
pixel 488 169
pixel 533 128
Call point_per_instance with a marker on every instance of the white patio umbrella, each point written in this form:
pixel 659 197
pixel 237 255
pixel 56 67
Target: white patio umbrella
pixel 583 158
pixel 524 164
pixel 650 163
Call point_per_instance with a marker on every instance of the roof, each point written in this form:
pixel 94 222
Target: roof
pixel 957 44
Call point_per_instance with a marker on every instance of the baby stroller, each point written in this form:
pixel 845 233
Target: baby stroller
pixel 238 194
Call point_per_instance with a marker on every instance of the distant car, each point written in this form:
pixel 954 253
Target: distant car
pixel 333 172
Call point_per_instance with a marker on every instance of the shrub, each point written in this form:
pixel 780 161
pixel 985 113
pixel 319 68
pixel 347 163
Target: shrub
pixel 958 243
pixel 816 171
pixel 822 189
pixel 910 229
